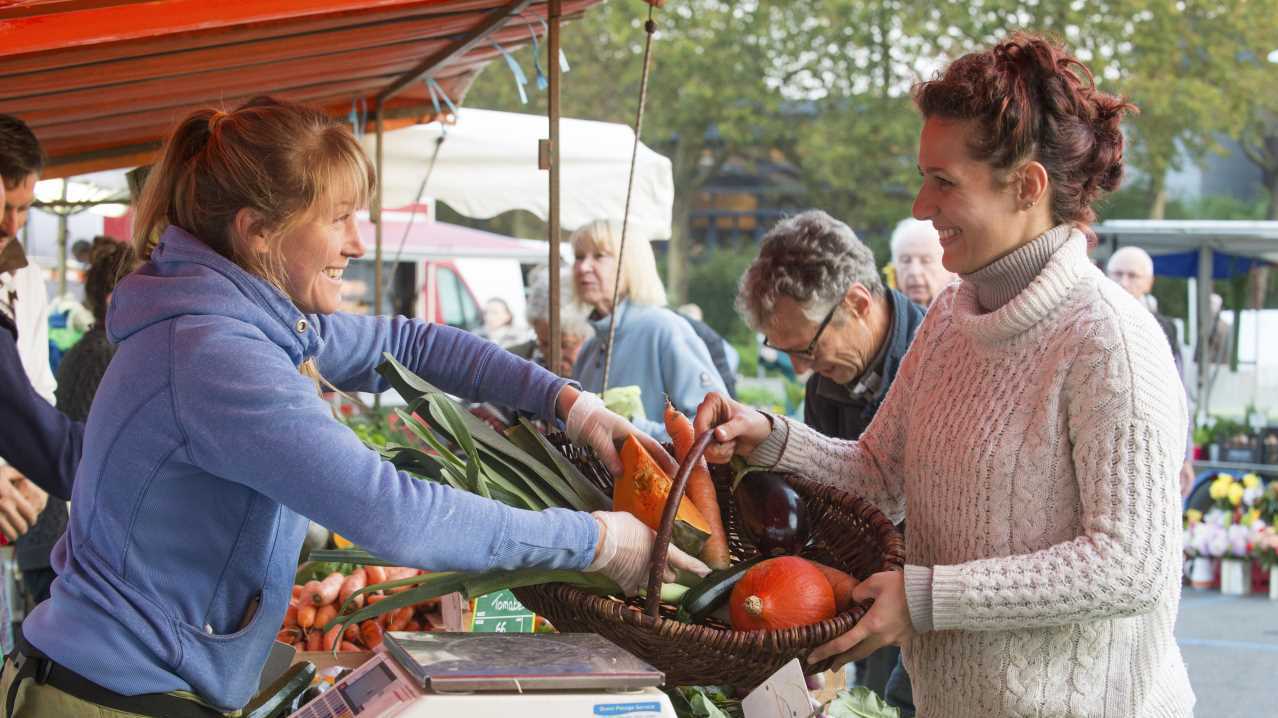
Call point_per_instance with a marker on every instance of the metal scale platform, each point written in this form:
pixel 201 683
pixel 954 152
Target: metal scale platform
pixel 496 675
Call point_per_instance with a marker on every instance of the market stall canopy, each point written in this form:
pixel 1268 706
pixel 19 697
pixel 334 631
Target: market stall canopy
pixel 488 165
pixel 1236 246
pixel 102 82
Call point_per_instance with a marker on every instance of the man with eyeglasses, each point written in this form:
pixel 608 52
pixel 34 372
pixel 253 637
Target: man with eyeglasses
pixel 815 293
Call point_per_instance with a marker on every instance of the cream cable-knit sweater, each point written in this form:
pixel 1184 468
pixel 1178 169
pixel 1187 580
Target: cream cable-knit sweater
pixel 1035 451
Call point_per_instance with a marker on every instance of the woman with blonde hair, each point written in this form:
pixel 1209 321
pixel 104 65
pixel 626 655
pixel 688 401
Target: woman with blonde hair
pixel 208 445
pixel 1034 433
pixel 656 349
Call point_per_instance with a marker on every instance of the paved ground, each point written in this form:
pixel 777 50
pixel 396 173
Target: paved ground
pixel 1230 644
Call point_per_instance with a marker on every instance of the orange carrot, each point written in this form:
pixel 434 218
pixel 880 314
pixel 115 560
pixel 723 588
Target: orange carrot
pixel 297 590
pixel 324 614
pixel 371 632
pixel 353 583
pixel 314 641
pixel 842 583
pixel 328 589
pixel 306 615
pixel 399 618
pixel 331 637
pixel 290 617
pixel 700 489
pixel 308 591
pixel 348 647
pixel 351 633
pixel 286 635
pixel 375 574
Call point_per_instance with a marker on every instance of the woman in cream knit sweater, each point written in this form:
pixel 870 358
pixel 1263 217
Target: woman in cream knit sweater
pixel 1035 429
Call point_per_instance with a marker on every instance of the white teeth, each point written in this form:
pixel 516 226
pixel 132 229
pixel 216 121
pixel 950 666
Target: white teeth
pixel 948 232
pixel 333 273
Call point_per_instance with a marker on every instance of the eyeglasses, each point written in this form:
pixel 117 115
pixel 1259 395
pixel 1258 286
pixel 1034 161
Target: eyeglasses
pixel 808 352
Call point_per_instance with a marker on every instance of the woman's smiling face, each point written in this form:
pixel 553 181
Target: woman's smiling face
pixel 315 253
pixel 974 212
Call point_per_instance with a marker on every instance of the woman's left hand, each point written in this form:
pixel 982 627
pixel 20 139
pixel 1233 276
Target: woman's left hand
pixel 887 623
pixel 590 422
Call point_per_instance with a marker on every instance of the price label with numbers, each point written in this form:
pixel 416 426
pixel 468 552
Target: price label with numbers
pixel 500 612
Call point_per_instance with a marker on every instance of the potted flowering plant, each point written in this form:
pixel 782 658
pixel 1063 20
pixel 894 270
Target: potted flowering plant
pixel 1265 550
pixel 1206 541
pixel 1237 499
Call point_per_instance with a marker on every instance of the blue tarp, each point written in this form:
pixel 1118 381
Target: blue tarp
pixel 1185 264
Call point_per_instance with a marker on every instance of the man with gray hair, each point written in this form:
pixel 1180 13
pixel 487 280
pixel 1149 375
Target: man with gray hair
pixel 916 259
pixel 1133 269
pixel 574 327
pixel 815 293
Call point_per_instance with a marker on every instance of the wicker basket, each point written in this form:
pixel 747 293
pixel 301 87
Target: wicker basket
pixel 847 533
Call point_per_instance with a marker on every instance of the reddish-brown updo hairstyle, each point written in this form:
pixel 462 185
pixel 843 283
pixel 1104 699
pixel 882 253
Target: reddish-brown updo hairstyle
pixel 1032 100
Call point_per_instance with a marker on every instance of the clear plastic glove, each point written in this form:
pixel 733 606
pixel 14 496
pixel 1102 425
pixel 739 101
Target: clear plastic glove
pixel 589 422
pixel 626 546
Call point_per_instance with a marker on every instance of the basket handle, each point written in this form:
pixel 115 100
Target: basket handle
pixel 661 544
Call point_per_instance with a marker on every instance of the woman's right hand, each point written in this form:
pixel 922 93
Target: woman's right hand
pixel 739 428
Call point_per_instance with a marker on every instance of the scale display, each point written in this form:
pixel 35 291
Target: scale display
pixel 519 662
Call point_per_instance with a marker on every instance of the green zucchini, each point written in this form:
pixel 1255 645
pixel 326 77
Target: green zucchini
pixel 701 600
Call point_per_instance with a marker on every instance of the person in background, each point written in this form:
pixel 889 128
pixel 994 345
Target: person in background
pixel 1034 430
pixel 574 326
pixel 916 255
pixel 814 292
pixel 656 350
pixel 79 373
pixel 24 303
pixel 30 424
pixel 499 324
pixel 1220 338
pixel 209 443
pixel 1133 269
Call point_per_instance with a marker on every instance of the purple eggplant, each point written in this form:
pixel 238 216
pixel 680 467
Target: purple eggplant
pixel 771 513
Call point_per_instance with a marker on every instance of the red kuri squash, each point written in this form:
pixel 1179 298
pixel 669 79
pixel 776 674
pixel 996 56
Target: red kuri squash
pixel 781 592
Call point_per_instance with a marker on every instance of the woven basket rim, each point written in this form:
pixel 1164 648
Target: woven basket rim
pixel 799 637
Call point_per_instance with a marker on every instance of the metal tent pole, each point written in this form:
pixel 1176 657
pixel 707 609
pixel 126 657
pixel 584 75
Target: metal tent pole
pixel 1206 323
pixel 552 220
pixel 376 217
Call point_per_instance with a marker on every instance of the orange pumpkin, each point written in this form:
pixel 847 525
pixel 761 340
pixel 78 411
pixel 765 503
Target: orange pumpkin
pixel 781 592
pixel 642 490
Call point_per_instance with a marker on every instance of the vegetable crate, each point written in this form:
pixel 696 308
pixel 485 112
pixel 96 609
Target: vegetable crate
pixel 848 533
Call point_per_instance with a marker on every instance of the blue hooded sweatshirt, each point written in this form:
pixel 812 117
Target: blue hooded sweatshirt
pixel 206 451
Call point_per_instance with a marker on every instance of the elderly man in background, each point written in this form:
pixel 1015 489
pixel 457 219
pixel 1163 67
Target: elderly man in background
pixel 1133 269
pixel 916 255
pixel 574 327
pixel 815 293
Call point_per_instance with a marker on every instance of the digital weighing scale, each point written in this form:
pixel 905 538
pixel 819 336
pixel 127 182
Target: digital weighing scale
pixel 495 675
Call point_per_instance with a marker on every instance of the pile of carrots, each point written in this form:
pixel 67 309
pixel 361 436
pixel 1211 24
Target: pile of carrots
pixel 700 489
pixel 317 602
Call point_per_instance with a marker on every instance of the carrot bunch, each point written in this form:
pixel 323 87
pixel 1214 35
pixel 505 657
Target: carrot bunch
pixel 700 489
pixel 316 603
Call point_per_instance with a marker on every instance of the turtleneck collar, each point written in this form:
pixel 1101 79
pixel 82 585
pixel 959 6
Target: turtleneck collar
pixel 1001 280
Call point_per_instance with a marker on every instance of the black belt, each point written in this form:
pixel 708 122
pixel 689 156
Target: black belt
pixel 33 664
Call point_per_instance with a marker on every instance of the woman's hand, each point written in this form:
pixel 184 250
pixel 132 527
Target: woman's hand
pixel 740 428
pixel 887 623
pixel 625 545
pixel 589 422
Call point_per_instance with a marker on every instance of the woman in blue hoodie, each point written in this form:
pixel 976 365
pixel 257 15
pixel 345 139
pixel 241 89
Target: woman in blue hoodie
pixel 208 445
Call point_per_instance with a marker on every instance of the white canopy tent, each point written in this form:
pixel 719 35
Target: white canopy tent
pixel 1215 242
pixel 488 164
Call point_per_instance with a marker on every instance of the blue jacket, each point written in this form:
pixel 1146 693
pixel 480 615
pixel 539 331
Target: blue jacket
pixel 37 439
pixel 206 451
pixel 658 352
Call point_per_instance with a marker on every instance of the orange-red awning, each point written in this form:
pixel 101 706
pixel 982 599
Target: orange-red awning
pixel 101 82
